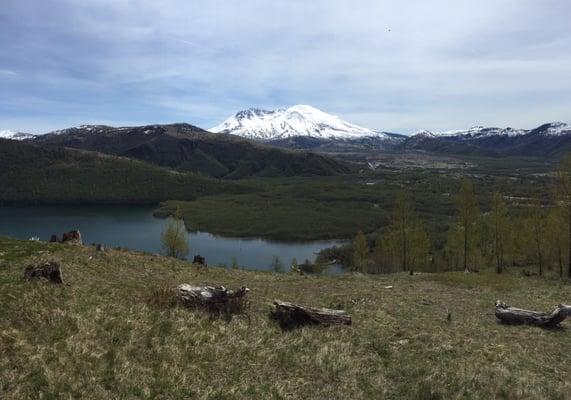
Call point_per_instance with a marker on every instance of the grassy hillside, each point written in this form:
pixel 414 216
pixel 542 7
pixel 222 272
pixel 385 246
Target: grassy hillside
pixel 107 334
pixel 187 148
pixel 34 174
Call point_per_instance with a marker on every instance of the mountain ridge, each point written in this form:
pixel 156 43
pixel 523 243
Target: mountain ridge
pixel 186 147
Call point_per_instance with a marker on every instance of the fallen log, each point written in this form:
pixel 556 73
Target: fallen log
pixel 214 298
pixel 290 315
pixel 517 316
pixel 49 270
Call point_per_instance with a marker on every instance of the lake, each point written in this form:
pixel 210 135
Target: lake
pixel 135 228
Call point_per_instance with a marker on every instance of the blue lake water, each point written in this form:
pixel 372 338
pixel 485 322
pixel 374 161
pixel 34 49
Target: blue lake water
pixel 135 228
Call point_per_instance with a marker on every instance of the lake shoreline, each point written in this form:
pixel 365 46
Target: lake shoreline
pixel 137 229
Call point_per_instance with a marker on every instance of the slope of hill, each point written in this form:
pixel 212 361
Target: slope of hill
pixel 37 174
pixel 187 148
pixel 112 331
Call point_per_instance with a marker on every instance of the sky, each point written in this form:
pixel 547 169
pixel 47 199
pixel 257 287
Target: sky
pixel 396 66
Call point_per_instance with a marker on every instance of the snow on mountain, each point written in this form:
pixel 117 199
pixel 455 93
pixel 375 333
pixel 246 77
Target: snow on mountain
pixel 424 133
pixel 299 120
pixel 556 128
pixel 478 132
pixel 10 134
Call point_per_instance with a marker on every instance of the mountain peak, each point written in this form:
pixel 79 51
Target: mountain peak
pixel 297 120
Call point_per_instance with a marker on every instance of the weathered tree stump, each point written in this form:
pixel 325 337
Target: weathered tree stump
pixel 198 259
pixel 72 237
pixel 518 316
pixel 290 315
pixel 50 271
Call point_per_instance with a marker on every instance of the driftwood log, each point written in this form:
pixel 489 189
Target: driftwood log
pixel 50 271
pixel 518 316
pixel 290 315
pixel 204 295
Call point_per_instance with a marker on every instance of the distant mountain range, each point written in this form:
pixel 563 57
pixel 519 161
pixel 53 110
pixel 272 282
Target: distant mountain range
pixel 305 127
pixel 298 127
pixel 551 139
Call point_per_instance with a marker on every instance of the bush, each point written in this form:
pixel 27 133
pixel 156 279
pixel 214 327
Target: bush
pixel 174 239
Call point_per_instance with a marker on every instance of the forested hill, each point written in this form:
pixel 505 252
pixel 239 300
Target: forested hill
pixel 36 174
pixel 187 148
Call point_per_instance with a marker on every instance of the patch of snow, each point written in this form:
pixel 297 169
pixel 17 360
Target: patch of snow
pixel 424 133
pixel 558 129
pixel 14 135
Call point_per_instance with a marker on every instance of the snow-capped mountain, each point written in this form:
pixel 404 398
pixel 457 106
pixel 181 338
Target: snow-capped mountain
pixel 299 120
pixel 14 135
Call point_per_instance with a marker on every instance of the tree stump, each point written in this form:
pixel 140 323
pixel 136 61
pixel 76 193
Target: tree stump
pixel 290 315
pixel 517 316
pixel 72 237
pixel 198 259
pixel 207 295
pixel 50 271
pixel 54 239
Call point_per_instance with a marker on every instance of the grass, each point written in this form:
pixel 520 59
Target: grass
pixel 110 332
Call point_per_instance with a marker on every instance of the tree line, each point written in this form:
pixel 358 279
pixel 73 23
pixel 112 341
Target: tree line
pixel 535 235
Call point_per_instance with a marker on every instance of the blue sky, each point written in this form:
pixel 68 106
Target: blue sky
pixel 391 65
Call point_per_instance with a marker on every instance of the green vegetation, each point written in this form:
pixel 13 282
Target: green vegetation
pixel 111 332
pixel 287 209
pixel 533 233
pixel 37 175
pixel 174 238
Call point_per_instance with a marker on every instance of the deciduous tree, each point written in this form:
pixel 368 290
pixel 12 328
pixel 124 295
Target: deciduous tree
pixel 468 213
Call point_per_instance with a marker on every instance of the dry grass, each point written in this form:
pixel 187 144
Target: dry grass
pixel 111 332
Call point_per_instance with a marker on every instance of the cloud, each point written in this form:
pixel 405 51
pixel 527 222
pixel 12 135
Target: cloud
pixel 384 64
